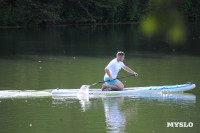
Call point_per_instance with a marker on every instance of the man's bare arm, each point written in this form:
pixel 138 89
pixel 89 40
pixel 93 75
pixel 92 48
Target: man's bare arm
pixel 129 70
pixel 108 73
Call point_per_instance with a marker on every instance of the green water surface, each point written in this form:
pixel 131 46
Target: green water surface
pixel 68 57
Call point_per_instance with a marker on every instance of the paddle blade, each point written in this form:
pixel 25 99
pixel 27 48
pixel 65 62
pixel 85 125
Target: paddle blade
pixel 84 90
pixel 84 87
pixel 83 96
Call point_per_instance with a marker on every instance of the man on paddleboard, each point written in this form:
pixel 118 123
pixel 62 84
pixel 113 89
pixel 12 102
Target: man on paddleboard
pixel 112 70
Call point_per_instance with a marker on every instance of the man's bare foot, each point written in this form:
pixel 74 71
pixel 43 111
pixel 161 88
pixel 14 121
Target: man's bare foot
pixel 104 87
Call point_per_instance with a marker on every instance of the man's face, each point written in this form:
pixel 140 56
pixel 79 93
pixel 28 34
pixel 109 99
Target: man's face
pixel 121 58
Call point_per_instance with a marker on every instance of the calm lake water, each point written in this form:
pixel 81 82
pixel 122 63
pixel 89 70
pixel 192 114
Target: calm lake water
pixel 35 61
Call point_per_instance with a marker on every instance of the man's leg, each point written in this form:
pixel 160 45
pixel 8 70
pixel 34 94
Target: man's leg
pixel 105 86
pixel 118 86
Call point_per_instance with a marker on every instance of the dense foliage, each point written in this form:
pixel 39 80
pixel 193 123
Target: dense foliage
pixel 34 12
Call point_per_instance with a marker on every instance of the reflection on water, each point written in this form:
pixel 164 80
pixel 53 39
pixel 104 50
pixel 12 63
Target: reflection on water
pixel 163 97
pixel 84 101
pixel 116 117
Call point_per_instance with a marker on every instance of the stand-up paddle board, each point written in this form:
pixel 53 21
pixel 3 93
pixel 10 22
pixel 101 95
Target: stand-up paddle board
pixel 131 90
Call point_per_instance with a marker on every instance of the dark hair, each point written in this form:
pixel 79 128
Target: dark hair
pixel 120 53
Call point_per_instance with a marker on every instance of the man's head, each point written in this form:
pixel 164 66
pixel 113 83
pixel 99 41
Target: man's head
pixel 120 55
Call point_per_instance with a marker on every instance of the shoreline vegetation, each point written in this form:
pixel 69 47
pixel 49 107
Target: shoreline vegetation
pixel 75 24
pixel 25 13
pixel 166 18
pixel 79 24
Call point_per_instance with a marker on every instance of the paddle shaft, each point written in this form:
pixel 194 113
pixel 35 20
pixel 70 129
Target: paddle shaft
pixel 113 79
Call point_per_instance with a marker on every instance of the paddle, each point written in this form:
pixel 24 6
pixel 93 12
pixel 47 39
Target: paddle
pixel 113 79
pixel 84 87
